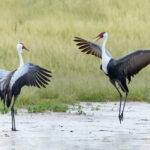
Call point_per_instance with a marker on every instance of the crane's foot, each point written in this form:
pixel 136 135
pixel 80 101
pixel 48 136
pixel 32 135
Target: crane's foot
pixel 14 129
pixel 121 117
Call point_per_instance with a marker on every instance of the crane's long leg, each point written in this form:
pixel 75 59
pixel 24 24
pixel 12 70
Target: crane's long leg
pixel 12 117
pixel 114 84
pixel 4 108
pixel 125 89
pixel 124 106
pixel 4 104
pixel 13 114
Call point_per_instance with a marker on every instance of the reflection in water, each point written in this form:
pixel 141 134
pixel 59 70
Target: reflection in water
pixel 13 144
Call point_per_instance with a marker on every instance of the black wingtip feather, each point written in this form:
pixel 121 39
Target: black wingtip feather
pixel 38 80
pixel 37 84
pixel 81 44
pixel 42 76
pixel 85 50
pixel 82 47
pixel 44 73
pixel 45 70
pixel 76 37
pixel 42 80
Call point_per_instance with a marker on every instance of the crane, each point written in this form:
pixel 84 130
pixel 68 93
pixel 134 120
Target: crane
pixel 27 74
pixel 118 70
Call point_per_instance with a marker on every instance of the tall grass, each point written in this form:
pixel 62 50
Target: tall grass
pixel 48 28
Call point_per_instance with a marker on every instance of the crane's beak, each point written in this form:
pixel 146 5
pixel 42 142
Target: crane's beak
pixel 25 48
pixel 97 38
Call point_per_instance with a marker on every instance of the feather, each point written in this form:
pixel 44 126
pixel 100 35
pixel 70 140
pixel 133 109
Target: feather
pixel 132 63
pixel 89 47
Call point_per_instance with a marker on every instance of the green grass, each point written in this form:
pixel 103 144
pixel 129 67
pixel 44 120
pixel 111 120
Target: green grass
pixel 48 28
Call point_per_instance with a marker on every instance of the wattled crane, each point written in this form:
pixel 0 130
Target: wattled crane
pixel 26 74
pixel 118 70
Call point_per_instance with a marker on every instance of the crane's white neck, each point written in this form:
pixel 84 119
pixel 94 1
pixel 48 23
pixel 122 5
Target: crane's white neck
pixel 19 49
pixel 105 57
pixel 103 46
pixel 21 59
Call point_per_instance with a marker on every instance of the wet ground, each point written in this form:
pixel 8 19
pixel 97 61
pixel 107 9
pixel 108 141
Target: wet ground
pixel 96 128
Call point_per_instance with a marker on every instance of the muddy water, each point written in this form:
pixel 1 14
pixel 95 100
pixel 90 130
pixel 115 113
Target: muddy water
pixel 97 128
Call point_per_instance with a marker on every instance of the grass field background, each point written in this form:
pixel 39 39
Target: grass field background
pixel 48 28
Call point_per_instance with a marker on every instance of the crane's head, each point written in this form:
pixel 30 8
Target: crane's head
pixel 20 47
pixel 102 35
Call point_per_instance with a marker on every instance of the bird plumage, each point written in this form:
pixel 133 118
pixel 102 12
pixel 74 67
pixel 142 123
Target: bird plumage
pixel 129 64
pixel 5 77
pixel 132 63
pixel 27 74
pixel 118 70
pixel 89 47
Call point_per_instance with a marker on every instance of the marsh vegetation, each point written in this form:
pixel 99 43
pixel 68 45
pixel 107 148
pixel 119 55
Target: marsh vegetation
pixel 48 28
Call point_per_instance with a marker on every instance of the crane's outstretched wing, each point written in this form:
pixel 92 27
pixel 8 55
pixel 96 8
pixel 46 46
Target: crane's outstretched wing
pixel 5 77
pixel 30 75
pixel 132 63
pixel 89 47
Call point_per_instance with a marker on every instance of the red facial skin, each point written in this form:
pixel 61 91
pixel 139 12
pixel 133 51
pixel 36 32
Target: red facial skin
pixel 23 46
pixel 101 35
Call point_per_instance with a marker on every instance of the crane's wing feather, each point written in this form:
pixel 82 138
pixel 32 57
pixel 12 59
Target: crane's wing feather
pixel 30 75
pixel 5 77
pixel 89 47
pixel 132 63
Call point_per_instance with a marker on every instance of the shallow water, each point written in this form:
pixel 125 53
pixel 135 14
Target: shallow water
pixel 93 130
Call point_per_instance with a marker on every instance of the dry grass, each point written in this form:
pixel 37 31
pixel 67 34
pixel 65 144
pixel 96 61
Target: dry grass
pixel 48 28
